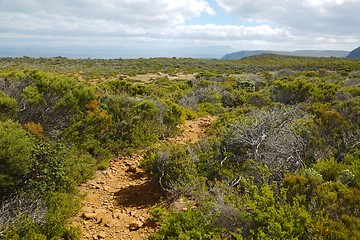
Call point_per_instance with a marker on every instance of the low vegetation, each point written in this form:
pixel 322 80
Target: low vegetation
pixel 281 161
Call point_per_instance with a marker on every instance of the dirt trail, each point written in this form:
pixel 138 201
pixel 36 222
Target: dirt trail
pixel 118 201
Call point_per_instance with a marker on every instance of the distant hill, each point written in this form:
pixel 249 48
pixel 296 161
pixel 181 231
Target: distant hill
pixel 354 53
pixel 302 53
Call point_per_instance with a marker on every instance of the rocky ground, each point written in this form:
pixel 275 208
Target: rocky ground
pixel 118 201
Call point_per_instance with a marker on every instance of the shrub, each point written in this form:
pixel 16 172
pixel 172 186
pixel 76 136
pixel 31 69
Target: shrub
pixel 328 168
pixel 34 128
pixel 23 212
pixel 8 106
pixel 271 138
pixel 16 159
pixel 186 225
pixel 49 99
pixel 172 167
pixel 63 206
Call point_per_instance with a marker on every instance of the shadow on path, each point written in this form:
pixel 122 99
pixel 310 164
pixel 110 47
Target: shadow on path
pixel 144 195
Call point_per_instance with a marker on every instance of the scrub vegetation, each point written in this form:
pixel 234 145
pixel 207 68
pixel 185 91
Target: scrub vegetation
pixel 282 160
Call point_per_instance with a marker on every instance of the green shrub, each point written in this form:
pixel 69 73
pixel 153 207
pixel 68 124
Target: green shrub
pixel 16 159
pixel 62 207
pixel 172 167
pixel 8 106
pixel 329 169
pixel 185 225
pixel 48 99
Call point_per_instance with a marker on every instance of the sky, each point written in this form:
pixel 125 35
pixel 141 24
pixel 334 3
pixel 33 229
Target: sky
pixel 174 28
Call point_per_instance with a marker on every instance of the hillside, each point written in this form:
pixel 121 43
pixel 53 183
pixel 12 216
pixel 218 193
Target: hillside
pixel 300 53
pixel 264 147
pixel 354 53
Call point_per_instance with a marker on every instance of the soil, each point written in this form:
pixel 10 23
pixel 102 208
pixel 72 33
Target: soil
pixel 146 78
pixel 118 201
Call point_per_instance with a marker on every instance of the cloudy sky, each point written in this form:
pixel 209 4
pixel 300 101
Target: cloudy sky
pixel 181 28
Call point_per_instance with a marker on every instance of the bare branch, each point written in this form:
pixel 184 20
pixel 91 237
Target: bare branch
pixel 19 210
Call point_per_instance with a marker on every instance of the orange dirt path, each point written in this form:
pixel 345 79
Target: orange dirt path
pixel 119 200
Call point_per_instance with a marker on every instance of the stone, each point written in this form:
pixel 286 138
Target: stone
pixel 136 225
pixel 119 214
pixel 88 215
pixel 109 223
pixel 100 211
pixel 182 204
pixel 105 219
pixel 132 168
pixel 132 213
pixel 109 175
pixel 101 235
pixel 87 209
pixel 114 169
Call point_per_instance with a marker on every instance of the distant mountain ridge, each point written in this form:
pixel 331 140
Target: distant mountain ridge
pixel 354 53
pixel 300 53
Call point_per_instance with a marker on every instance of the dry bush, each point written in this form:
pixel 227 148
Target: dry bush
pixel 16 211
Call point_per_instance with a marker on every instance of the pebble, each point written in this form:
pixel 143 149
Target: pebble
pixel 87 215
pixel 132 168
pixel 133 213
pixel 101 235
pixel 135 225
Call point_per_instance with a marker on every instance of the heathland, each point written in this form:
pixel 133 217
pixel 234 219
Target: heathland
pixel 265 147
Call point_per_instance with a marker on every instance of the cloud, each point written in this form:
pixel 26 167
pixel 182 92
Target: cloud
pixel 308 16
pixel 67 15
pixel 263 24
pixel 228 32
pixel 116 20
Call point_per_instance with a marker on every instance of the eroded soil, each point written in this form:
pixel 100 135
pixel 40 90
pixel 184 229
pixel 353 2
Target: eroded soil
pixel 118 201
